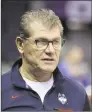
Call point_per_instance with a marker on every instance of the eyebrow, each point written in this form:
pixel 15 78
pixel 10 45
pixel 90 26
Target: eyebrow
pixel 56 38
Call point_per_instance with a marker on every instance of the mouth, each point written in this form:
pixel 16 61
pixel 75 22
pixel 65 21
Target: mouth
pixel 48 60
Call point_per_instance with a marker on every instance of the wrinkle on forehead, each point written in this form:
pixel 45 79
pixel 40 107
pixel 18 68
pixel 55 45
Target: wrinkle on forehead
pixel 38 28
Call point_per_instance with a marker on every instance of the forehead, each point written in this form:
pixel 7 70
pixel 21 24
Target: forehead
pixel 38 30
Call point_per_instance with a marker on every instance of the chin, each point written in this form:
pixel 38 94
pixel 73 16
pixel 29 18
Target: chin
pixel 49 69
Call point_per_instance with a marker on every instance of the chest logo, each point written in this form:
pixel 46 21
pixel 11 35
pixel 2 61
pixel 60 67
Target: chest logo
pixel 62 98
pixel 17 96
pixel 13 97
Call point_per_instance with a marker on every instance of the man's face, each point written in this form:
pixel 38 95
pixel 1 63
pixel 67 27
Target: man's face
pixel 38 55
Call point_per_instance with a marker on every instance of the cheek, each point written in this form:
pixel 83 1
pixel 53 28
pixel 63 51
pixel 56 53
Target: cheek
pixel 28 53
pixel 32 54
pixel 58 54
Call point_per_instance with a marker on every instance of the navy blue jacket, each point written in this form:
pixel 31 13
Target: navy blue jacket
pixel 65 93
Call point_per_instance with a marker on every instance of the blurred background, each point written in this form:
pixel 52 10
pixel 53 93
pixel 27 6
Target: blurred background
pixel 75 60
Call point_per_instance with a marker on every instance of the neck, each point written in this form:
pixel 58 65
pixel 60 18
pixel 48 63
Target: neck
pixel 35 75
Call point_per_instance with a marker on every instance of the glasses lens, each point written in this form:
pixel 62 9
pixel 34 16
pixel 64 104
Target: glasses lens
pixel 57 44
pixel 41 43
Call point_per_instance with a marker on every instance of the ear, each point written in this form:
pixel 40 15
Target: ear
pixel 20 44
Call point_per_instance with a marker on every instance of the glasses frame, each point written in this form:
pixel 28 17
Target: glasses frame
pixel 44 47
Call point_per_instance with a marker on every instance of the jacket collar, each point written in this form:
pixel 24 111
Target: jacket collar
pixel 16 77
pixel 18 81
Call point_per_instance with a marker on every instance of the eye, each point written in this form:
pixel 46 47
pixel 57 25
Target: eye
pixel 56 42
pixel 41 42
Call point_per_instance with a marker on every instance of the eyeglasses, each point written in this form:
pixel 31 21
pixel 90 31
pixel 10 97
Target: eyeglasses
pixel 43 43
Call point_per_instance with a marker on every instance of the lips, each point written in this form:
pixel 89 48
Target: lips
pixel 48 59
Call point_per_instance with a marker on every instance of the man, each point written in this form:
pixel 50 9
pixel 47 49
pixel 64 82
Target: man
pixel 34 82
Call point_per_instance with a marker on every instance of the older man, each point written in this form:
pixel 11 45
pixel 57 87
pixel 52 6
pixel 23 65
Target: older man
pixel 34 83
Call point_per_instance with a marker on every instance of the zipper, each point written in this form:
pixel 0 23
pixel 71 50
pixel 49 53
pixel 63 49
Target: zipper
pixel 45 97
pixel 49 91
pixel 43 108
pixel 36 95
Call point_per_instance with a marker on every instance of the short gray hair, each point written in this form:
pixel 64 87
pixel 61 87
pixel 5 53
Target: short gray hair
pixel 47 17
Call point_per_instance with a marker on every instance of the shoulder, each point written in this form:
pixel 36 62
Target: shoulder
pixel 69 85
pixel 76 93
pixel 74 90
pixel 5 75
pixel 74 86
pixel 5 80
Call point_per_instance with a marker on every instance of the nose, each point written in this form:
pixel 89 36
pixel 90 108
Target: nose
pixel 50 48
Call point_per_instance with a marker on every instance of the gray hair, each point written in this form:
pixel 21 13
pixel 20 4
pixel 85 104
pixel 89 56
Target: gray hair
pixel 47 17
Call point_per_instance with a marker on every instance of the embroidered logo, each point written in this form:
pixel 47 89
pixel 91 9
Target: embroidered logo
pixel 13 97
pixel 63 110
pixel 62 98
pixel 16 96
